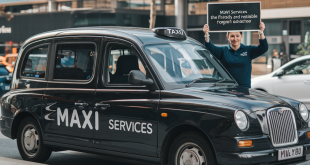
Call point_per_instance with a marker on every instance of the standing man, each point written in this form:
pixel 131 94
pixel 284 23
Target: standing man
pixel 236 57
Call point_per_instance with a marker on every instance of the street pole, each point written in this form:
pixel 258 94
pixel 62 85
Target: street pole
pixel 181 12
pixel 152 15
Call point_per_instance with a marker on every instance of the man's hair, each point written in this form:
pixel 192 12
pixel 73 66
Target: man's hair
pixel 229 32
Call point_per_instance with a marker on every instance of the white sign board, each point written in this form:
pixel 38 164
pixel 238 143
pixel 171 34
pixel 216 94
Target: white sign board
pixel 296 39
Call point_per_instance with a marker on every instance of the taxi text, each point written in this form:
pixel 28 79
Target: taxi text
pixel 130 126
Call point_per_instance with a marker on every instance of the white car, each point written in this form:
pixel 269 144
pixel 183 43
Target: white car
pixel 291 80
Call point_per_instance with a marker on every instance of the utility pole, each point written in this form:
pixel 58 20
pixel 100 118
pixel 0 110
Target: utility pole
pixel 152 14
pixel 181 9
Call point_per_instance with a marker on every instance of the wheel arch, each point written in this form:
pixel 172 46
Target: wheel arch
pixel 17 120
pixel 175 132
pixel 261 89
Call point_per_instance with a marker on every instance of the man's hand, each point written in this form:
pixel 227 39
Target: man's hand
pixel 206 31
pixel 262 26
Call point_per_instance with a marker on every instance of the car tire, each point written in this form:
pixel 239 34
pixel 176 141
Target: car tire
pixel 30 141
pixel 191 148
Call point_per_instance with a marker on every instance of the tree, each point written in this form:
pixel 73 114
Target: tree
pixel 152 14
pixel 304 48
pixel 2 12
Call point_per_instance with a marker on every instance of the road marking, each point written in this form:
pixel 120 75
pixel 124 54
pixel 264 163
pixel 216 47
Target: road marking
pixel 9 161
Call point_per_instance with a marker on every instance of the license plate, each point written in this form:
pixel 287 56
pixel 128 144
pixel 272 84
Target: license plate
pixel 289 153
pixel 7 88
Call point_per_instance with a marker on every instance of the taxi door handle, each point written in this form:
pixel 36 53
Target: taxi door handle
pixel 102 105
pixel 81 104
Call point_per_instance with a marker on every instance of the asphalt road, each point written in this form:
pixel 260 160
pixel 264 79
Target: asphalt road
pixel 8 149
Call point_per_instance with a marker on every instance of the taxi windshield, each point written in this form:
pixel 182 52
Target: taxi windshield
pixel 181 63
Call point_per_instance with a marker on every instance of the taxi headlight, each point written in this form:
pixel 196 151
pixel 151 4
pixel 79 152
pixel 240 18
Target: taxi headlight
pixel 241 120
pixel 303 111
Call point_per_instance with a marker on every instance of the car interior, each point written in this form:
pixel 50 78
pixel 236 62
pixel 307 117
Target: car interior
pixel 74 61
pixel 122 61
pixel 302 67
pixel 35 65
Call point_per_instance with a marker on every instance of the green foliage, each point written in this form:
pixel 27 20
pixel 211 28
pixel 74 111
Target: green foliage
pixel 304 48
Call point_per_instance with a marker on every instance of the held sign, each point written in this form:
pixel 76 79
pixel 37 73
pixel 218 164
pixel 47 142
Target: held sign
pixel 223 17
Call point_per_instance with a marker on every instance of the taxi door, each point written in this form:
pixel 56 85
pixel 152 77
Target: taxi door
pixel 69 115
pixel 127 113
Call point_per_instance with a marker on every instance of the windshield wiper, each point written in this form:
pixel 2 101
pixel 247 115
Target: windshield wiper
pixel 198 79
pixel 222 81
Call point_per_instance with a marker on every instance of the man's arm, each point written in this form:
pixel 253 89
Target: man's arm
pixel 216 51
pixel 256 51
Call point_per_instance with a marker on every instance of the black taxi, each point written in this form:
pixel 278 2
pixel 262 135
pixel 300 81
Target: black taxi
pixel 154 96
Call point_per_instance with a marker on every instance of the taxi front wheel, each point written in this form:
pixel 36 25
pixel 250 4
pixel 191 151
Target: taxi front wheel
pixel 30 141
pixel 192 149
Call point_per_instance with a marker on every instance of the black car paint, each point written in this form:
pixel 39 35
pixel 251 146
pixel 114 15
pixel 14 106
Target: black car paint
pixel 209 110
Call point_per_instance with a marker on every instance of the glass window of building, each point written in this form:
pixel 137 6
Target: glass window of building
pixel 197 7
pixel 35 8
pixel 138 4
pixel 64 6
pixel 304 47
pixel 89 3
pixel 169 7
pixel 294 37
pixel 295 27
pixel 103 3
pixel 273 32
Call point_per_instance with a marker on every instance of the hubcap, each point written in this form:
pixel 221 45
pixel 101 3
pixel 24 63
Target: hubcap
pixel 190 154
pixel 30 140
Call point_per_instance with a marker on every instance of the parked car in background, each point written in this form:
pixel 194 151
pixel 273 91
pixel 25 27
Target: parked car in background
pixel 292 80
pixel 5 80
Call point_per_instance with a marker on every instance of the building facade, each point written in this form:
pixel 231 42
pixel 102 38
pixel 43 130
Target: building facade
pixel 287 21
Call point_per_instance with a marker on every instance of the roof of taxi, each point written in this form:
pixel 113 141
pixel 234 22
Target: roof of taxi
pixel 137 34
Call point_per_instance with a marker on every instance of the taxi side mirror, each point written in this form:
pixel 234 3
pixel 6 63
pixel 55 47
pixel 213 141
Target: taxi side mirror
pixel 136 77
pixel 280 73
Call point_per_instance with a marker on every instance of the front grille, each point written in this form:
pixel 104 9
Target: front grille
pixel 282 126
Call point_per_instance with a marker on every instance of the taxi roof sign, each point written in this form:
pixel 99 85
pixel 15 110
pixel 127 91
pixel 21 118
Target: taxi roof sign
pixel 171 32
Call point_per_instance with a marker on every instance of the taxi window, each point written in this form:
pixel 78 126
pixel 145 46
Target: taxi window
pixel 74 61
pixel 122 60
pixel 34 64
pixel 180 64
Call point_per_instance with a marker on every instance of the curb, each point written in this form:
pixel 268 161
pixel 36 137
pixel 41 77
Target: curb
pixel 10 161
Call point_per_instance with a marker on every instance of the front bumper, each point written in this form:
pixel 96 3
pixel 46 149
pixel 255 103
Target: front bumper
pixel 5 126
pixel 260 157
pixel 262 152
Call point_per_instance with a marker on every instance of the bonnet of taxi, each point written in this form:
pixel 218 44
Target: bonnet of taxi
pixel 259 107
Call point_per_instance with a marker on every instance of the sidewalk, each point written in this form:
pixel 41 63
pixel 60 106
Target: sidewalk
pixel 9 161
